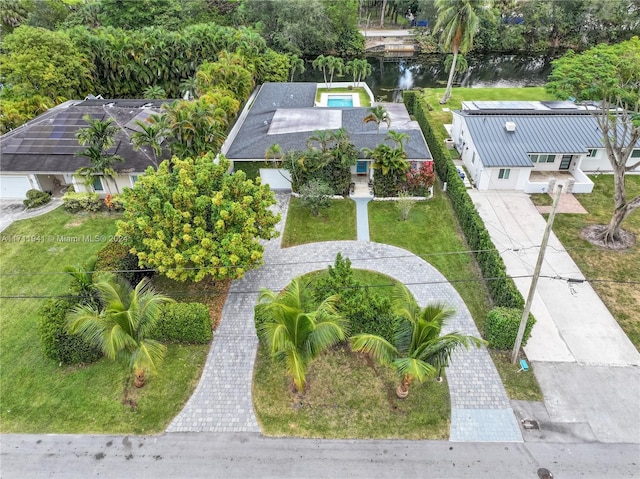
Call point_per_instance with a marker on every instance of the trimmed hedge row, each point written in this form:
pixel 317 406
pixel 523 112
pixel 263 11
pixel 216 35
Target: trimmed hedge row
pixel 501 327
pixel 188 323
pixel 57 344
pixel 502 289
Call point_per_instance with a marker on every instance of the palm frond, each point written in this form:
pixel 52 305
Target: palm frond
pixel 379 348
pixel 415 368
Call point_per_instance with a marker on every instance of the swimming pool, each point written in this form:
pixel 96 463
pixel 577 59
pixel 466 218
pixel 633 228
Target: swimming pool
pixel 343 101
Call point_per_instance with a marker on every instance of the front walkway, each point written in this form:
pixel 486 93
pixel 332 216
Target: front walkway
pixel 14 210
pixel 480 409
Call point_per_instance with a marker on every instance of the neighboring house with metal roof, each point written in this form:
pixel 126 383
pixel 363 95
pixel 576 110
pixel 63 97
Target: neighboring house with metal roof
pixel 530 146
pixel 41 153
pixel 287 114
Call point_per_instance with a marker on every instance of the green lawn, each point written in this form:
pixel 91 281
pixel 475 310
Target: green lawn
pixel 365 101
pixel 251 168
pixel 347 394
pixel 335 223
pixel 39 396
pixel 617 272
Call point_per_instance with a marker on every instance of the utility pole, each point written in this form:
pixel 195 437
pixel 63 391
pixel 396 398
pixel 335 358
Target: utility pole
pixel 536 275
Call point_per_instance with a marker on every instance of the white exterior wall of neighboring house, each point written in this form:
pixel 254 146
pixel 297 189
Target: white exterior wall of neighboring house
pixel 469 154
pixel 600 162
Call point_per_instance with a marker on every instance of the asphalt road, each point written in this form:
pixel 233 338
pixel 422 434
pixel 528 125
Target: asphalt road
pixel 249 455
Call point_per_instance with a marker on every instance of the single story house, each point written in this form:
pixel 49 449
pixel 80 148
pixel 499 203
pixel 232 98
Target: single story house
pixel 287 114
pixel 41 154
pixel 530 146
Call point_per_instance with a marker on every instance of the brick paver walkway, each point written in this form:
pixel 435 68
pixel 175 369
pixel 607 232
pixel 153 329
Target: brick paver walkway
pixel 223 402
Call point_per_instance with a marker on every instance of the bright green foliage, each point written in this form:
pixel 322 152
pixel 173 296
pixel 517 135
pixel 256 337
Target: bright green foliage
pixel 296 65
pixel 230 72
pixel 115 257
pixel 501 327
pixel 418 350
pixel 272 66
pixel 390 165
pixel 191 219
pixel 36 198
pixel 359 68
pixel 184 323
pixel 378 114
pixel 609 74
pixel 121 327
pixel 36 61
pixel 82 286
pixel 294 332
pixel 74 202
pixel 57 343
pixel 316 195
pixel 153 132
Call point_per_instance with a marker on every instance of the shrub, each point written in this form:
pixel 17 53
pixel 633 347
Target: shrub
pixel 501 327
pixel 114 202
pixel 116 257
pixel 81 201
pixel 184 323
pixel 501 288
pixel 36 198
pixel 57 343
pixel 316 195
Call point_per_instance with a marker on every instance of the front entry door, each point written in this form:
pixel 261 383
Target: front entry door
pixel 361 168
pixel 565 162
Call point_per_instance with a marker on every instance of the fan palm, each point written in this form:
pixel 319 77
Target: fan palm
pixel 459 21
pixel 378 114
pixel 295 332
pixel 418 351
pixel 121 328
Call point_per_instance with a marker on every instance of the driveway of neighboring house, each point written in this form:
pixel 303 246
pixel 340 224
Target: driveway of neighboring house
pixel 581 356
pixel 14 210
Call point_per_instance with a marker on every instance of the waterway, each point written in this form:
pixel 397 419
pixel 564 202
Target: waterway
pixel 390 75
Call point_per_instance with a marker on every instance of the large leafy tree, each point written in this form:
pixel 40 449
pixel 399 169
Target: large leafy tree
pixel 122 326
pixel 418 351
pixel 36 61
pixel 459 21
pixel 193 219
pixel 609 75
pixel 295 331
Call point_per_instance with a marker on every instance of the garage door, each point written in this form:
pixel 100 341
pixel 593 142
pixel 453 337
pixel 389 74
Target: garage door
pixel 14 187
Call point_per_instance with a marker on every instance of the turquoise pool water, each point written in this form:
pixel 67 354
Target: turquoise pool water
pixel 344 101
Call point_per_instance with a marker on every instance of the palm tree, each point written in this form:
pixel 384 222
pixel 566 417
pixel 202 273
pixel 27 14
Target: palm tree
pixel 122 327
pixel 153 133
pixel 359 68
pixel 274 152
pixel 334 65
pixel 189 88
pixel 82 284
pixel 297 66
pixel 320 63
pixel 418 350
pixel 398 138
pixel 461 64
pixel 459 22
pixel 322 138
pixel 100 136
pixel 154 92
pixel 387 159
pixel 295 332
pixel 378 114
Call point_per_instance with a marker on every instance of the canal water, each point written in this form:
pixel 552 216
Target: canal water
pixel 391 75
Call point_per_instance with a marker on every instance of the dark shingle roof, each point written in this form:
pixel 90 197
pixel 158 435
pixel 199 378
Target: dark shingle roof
pixel 47 144
pixel 534 133
pixel 252 139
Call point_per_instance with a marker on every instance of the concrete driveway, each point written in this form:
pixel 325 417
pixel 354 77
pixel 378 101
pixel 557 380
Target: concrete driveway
pixel 584 362
pixel 14 210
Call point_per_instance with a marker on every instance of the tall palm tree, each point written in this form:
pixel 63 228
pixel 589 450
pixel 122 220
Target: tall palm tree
pixel 153 133
pixel 378 114
pixel 418 350
pixel 398 138
pixel 154 92
pixel 297 66
pixel 100 136
pixel 334 65
pixel 295 332
pixel 459 22
pixel 121 328
pixel 322 138
pixel 359 68
pixel 388 160
pixel 321 63
pixel 274 152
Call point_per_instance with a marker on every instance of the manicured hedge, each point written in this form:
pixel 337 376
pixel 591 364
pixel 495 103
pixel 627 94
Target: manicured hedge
pixel 57 344
pixel 501 327
pixel 74 202
pixel 188 323
pixel 36 198
pixel 502 289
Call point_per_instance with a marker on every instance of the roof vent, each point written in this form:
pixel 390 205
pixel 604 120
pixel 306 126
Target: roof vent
pixel 510 126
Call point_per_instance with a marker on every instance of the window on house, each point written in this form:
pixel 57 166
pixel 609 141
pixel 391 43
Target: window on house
pixel 134 178
pixel 97 184
pixel 635 154
pixel 503 174
pixel 592 153
pixel 534 158
pixel 551 158
pixel 473 158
